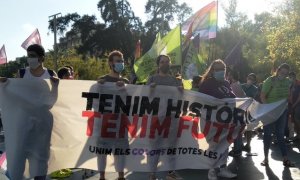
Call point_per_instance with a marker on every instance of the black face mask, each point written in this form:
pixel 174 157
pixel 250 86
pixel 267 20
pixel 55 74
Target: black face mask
pixel 164 69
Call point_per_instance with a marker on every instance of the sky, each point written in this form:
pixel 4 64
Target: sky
pixel 20 18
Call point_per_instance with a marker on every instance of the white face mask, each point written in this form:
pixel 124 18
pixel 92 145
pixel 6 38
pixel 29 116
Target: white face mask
pixel 33 62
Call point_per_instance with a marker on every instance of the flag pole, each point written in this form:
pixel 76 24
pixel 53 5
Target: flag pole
pixel 209 49
pixel 213 43
pixel 54 16
pixel 215 49
pixel 217 17
pixel 180 44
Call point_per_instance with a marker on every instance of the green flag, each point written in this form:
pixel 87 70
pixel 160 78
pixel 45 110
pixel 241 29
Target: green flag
pixel 157 39
pixel 170 45
pixel 193 64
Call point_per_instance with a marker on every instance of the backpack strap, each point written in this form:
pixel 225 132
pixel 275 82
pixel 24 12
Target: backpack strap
pixel 51 72
pixel 22 72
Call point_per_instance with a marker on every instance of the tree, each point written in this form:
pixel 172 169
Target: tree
pixel 162 13
pixel 183 11
pixel 231 34
pixel 62 23
pixel 284 37
pixel 118 11
pixel 120 29
pixel 10 69
pixel 234 19
pixel 255 48
pixel 91 69
pixel 91 34
pixel 123 28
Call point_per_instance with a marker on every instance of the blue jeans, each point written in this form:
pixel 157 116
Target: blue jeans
pixel 279 126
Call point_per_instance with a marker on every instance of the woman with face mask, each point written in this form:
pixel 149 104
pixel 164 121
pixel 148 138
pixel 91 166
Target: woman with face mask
pixel 213 83
pixel 276 88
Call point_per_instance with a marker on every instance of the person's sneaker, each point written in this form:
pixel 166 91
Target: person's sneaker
pixel 212 175
pixel 173 176
pixel 224 172
pixel 234 153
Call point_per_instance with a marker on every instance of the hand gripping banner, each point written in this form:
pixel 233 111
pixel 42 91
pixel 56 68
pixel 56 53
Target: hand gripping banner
pixel 135 128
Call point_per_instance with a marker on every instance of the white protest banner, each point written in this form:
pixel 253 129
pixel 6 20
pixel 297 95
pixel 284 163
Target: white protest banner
pixel 146 129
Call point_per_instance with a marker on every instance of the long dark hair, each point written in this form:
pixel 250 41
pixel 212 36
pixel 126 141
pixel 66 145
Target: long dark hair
pixel 209 72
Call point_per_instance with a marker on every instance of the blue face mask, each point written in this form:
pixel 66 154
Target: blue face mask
pixel 219 75
pixel 119 67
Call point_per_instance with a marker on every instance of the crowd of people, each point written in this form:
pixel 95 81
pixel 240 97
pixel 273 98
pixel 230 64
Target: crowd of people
pixel 218 81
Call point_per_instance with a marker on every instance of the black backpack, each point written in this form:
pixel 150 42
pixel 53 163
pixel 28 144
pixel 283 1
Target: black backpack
pixel 22 72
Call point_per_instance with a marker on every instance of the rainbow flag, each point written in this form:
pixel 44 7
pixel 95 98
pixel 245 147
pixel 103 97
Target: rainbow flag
pixel 203 22
pixel 3 162
pixel 3 167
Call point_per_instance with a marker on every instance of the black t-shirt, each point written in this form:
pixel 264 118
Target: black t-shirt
pixel 109 78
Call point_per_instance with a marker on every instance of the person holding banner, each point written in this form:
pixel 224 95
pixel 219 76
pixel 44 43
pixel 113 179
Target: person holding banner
pixel 36 69
pixel 33 141
pixel 213 83
pixel 195 83
pixel 276 88
pixel 116 64
pixel 163 77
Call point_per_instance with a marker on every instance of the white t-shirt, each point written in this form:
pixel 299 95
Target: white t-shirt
pixel 28 74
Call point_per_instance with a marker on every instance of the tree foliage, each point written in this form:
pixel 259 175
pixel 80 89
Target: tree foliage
pixel 10 69
pixel 160 14
pixel 268 40
pixel 90 69
pixel 284 37
pixel 62 23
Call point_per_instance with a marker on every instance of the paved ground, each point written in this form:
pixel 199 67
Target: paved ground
pixel 247 167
